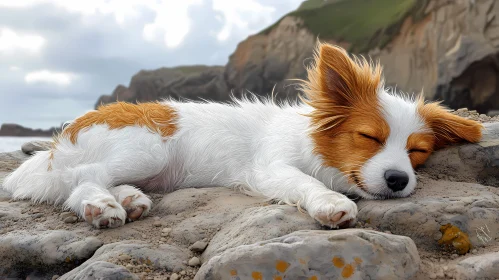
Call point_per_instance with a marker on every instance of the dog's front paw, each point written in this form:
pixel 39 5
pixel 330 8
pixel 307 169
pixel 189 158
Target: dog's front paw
pixel 104 213
pixel 335 212
pixel 135 202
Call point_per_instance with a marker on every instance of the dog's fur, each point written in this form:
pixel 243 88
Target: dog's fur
pixel 341 139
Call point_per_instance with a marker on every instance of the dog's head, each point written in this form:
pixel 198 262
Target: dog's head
pixel 374 137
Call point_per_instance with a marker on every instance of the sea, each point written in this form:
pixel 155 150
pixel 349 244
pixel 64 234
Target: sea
pixel 10 144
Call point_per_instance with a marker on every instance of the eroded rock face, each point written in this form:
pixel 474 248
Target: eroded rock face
pixel 352 254
pixel 190 82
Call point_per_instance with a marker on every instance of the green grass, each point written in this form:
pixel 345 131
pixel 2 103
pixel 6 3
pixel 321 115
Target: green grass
pixel 314 4
pixel 363 23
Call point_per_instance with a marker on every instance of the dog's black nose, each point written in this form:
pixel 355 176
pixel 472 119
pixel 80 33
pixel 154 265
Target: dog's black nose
pixel 396 180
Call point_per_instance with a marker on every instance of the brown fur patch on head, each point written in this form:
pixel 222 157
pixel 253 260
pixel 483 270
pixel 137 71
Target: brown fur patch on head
pixel 348 124
pixel 448 128
pixel 156 117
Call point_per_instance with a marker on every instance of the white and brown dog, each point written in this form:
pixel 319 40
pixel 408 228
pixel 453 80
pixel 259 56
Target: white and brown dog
pixel 348 136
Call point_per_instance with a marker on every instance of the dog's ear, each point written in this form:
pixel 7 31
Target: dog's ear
pixel 337 83
pixel 346 80
pixel 449 128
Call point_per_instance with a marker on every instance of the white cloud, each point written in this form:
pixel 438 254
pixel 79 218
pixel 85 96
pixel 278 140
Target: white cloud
pixel 49 77
pixel 240 15
pixel 171 23
pixel 12 41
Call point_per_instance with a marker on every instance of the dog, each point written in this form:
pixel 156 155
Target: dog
pixel 346 135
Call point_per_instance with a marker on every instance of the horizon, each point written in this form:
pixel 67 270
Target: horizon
pixel 61 56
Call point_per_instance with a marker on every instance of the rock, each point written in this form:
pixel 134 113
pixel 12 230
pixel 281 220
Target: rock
pixel 161 257
pixel 198 246
pixel 71 220
pixel 194 261
pixel 479 267
pixel 101 270
pixel 9 129
pixel 157 224
pixel 22 250
pixel 323 254
pixel 30 148
pixel 165 232
pixel 469 162
pixel 191 82
pixel 174 276
pixel 257 224
pixel 468 207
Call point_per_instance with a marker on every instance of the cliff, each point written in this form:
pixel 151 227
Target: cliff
pixel 17 130
pixel 446 48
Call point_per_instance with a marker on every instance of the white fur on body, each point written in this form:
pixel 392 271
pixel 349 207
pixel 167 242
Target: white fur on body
pixel 261 147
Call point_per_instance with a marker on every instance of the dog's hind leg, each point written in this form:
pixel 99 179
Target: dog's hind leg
pixel 134 201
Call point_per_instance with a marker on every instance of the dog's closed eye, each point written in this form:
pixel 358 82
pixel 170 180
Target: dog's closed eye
pixel 370 137
pixel 423 151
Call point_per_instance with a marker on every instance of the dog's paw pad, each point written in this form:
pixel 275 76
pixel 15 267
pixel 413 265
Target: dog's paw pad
pixel 339 214
pixel 136 206
pixel 102 214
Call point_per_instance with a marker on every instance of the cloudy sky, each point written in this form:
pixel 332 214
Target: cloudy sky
pixel 58 56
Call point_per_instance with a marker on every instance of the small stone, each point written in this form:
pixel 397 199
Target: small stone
pixel 442 260
pixel 194 261
pixel 440 273
pixel 174 276
pixel 432 275
pixel 157 223
pixel 474 251
pixel 144 236
pixel 129 267
pixel 55 277
pixel 37 215
pixel 182 272
pixel 445 268
pixel 454 256
pixel 198 246
pixel 64 215
pixel 162 239
pixel 165 232
pixel 71 220
pixel 124 257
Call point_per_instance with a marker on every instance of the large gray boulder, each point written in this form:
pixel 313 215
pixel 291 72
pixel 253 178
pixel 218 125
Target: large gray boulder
pixel 342 254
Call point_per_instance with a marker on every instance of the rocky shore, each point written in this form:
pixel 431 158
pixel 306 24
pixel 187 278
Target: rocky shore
pixel 449 229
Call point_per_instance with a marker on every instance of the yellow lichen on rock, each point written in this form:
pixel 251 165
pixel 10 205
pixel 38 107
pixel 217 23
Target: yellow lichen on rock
pixel 454 238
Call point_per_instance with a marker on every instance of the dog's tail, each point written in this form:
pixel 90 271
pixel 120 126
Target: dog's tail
pixel 36 180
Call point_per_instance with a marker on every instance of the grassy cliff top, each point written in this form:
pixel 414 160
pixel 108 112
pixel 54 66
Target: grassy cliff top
pixel 363 23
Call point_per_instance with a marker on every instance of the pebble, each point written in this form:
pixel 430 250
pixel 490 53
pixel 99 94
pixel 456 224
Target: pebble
pixel 157 223
pixel 440 274
pixel 165 232
pixel 174 276
pixel 194 261
pixel 198 246
pixel 144 236
pixel 432 275
pixel 182 272
pixel 129 267
pixel 55 277
pixel 454 256
pixel 474 251
pixel 124 257
pixel 445 268
pixel 162 239
pixel 64 215
pixel 37 215
pixel 442 260
pixel 71 220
